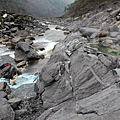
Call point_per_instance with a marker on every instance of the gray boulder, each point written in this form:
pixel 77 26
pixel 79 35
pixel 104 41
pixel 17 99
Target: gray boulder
pixel 6 112
pixel 88 31
pixel 24 51
pixel 4 87
pixel 3 94
pixel 24 92
pixel 114 28
pixel 79 86
pixel 14 102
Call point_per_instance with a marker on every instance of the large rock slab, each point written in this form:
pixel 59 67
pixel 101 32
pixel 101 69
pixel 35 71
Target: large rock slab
pixel 6 112
pixel 24 92
pixel 81 78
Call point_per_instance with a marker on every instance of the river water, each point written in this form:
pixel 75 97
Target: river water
pixel 48 41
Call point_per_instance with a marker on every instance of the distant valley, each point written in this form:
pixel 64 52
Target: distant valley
pixel 36 8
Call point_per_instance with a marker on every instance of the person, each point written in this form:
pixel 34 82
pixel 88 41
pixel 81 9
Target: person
pixel 9 72
pixel 14 79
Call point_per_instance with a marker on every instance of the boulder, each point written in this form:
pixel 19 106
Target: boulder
pixel 114 28
pixel 24 51
pixel 118 17
pixel 4 87
pixel 3 94
pixel 13 30
pixel 66 32
pixel 88 31
pixel 24 92
pixel 20 112
pixel 21 64
pixel 104 27
pixel 14 41
pixel 6 112
pixel 115 12
pixel 14 102
pixel 79 86
pixel 30 42
pixel 57 27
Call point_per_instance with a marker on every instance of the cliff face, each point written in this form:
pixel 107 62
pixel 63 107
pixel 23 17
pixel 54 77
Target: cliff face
pixel 36 8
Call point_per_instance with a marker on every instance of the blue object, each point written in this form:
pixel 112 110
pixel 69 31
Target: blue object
pixel 22 79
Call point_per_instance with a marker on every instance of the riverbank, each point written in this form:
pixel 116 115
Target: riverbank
pixel 78 81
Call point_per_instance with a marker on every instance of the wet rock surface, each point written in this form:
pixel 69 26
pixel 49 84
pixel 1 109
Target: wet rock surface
pixel 18 29
pixel 79 81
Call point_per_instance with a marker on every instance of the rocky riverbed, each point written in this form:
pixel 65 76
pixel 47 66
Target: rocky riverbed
pixel 81 78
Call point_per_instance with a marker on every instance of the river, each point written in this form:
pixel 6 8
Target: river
pixel 49 39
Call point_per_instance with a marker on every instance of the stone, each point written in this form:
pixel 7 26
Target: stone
pixel 4 87
pixel 1 40
pixel 40 34
pixel 24 51
pixel 64 111
pixel 107 96
pixel 66 32
pixel 118 23
pixel 20 112
pixel 104 60
pixel 30 42
pixel 109 9
pixel 88 31
pixel 114 34
pixel 114 28
pixel 13 30
pixel 24 92
pixel 57 27
pixel 115 12
pixel 118 17
pixel 14 41
pixel 103 39
pixel 118 36
pixel 104 27
pixel 3 94
pixel 94 35
pixel 23 46
pixel 85 77
pixel 5 15
pixel 6 112
pixel 103 34
pixel 14 102
pixel 109 41
pixel 31 38
pixel 21 64
pixel 36 66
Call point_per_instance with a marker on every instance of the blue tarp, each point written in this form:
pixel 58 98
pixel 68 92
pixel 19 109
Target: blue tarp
pixel 22 79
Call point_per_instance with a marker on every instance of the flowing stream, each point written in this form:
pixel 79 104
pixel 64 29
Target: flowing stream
pixel 50 38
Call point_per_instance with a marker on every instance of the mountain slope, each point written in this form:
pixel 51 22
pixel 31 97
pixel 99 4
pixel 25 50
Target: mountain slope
pixel 80 7
pixel 36 8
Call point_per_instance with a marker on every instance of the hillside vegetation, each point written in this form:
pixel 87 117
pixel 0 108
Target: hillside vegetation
pixel 80 7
